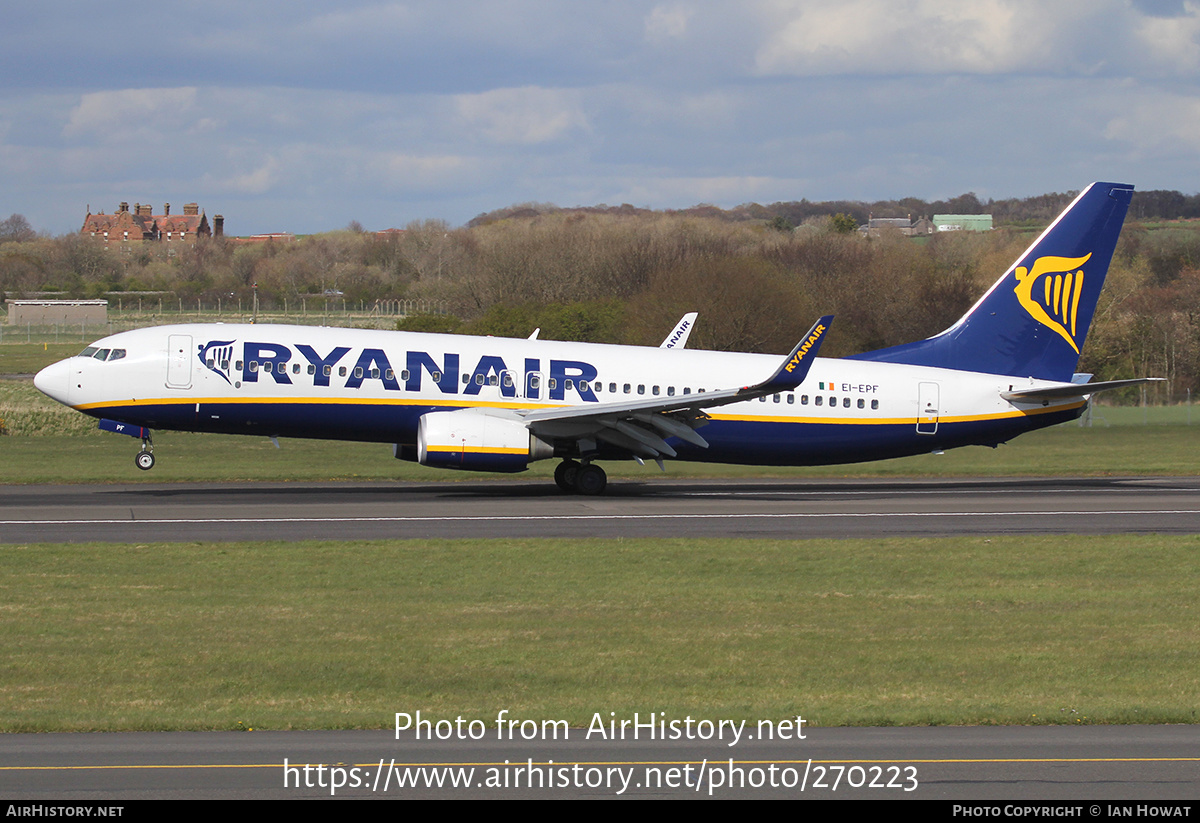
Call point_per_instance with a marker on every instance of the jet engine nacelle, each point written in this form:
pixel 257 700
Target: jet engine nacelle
pixel 477 440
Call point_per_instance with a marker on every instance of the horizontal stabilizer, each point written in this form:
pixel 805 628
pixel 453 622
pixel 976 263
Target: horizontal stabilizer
pixel 1070 390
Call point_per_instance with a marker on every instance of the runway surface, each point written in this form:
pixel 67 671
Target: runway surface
pixel 490 508
pixel 979 764
pixel 1087 764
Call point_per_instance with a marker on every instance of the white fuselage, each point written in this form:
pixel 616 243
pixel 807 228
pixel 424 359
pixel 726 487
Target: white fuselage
pixel 352 384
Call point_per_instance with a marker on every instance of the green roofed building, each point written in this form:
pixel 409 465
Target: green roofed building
pixel 962 222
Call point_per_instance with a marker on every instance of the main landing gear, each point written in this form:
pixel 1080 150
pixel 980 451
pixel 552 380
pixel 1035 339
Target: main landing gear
pixel 145 458
pixel 580 478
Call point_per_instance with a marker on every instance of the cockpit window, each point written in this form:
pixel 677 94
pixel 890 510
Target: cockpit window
pixel 116 354
pixel 102 354
pixel 88 352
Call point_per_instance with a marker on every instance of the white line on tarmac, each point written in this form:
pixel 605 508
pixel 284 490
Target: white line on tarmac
pixel 527 518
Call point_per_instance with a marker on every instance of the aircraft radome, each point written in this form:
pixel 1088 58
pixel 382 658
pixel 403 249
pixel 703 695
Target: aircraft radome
pixel 496 404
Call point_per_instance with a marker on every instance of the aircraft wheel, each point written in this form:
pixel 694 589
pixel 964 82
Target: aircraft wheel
pixel 565 474
pixel 144 461
pixel 590 480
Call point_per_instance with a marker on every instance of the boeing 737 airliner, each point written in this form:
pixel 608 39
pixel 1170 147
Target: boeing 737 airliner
pixel 496 404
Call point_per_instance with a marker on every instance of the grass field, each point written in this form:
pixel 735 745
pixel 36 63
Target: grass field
pixel 97 457
pixel 1005 630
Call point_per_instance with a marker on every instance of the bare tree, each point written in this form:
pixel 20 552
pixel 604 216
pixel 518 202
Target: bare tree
pixel 16 229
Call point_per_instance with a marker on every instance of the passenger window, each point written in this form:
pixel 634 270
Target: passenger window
pixel 582 385
pixel 508 380
pixel 833 401
pixel 687 390
pixel 209 363
pixel 568 384
pixel 374 374
pixel 874 404
pixel 326 370
pixel 535 382
pixel 266 367
pixel 804 400
pixel 552 384
pixel 776 398
pixel 358 371
pixel 253 365
pixel 791 399
pixel 862 404
pixel 404 375
pixel 641 388
pixel 341 371
pixel 466 379
pixel 612 387
pixel 435 376
pixel 627 388
pixel 654 390
pixel 295 368
pixel 313 369
pixel 239 365
pixel 670 391
pixel 493 380
pixel 479 380
pixel 762 399
pixel 845 402
pixel 817 400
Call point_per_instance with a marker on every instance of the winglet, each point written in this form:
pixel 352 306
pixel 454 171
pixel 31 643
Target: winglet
pixel 794 369
pixel 678 337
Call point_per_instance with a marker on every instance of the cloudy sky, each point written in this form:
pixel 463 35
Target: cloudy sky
pixel 292 115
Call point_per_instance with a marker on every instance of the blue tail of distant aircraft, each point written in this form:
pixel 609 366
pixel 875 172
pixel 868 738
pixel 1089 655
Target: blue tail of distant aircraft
pixel 1033 321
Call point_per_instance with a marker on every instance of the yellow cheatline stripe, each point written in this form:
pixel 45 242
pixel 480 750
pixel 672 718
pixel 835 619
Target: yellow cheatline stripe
pixel 306 401
pixel 815 761
pixel 475 450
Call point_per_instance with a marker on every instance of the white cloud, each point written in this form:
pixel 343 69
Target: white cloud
pixel 126 112
pixel 820 37
pixel 1171 42
pixel 524 116
pixel 258 181
pixel 1158 124
pixel 667 22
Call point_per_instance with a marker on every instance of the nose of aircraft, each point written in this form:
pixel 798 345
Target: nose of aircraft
pixel 54 381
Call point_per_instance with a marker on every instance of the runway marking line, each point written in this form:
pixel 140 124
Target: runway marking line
pixel 527 518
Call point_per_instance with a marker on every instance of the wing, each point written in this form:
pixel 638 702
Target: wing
pixel 642 426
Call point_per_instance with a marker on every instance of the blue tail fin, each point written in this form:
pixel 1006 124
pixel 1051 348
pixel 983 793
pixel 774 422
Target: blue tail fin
pixel 1033 321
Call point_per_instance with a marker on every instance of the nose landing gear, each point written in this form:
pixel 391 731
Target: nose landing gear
pixel 145 458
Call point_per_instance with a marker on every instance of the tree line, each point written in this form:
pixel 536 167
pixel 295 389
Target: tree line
pixel 627 277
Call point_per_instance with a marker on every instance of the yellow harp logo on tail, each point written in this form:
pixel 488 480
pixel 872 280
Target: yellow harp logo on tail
pixel 1055 302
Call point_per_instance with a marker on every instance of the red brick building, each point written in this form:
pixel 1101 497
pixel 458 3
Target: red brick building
pixel 141 225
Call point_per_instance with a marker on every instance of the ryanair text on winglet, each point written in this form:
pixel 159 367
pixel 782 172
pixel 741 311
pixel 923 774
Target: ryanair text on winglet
pixel 804 348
